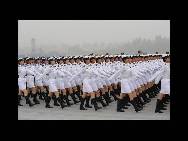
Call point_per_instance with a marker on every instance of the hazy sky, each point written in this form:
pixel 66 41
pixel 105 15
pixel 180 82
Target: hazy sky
pixel 81 31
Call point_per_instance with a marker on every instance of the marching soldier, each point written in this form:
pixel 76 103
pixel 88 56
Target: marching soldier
pixel 165 86
pixel 22 73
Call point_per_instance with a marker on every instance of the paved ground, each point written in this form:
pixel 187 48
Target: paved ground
pixel 39 112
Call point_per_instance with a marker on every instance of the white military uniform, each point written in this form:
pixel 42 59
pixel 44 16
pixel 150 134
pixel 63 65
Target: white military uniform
pixel 165 82
pixel 30 75
pixel 22 77
pixel 39 70
pixel 51 71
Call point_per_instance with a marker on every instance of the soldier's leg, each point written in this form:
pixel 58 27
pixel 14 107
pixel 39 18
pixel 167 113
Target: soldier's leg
pixel 159 104
pixel 63 96
pixel 133 102
pixel 72 94
pixel 34 94
pixel 82 100
pixel 144 94
pixel 105 95
pixel 41 92
pixel 87 98
pixel 48 99
pixel 57 98
pixel 19 98
pixel 68 92
pixel 115 93
pixel 110 89
pixel 27 97
pixel 77 92
pixel 120 103
pixel 99 98
pixel 94 101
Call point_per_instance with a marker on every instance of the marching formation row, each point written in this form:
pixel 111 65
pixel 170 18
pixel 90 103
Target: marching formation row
pixel 91 80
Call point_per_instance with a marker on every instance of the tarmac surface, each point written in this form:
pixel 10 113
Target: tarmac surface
pixel 39 112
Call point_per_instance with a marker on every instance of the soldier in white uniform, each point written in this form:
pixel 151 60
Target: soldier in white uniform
pixel 69 85
pixel 31 79
pixel 52 73
pixel 22 72
pixel 38 79
pixel 90 88
pixel 165 86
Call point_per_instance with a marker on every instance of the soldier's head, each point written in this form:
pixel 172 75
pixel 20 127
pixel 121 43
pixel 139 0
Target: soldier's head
pixel 51 60
pixel 32 60
pixel 116 58
pixel 67 60
pixel 107 59
pixel 61 60
pixel 77 60
pixel 37 60
pixel 111 58
pixel 92 60
pixel 21 61
pixel 102 59
pixel 167 59
pixel 86 60
pixel 125 60
pixel 46 61
pixel 72 60
pixel 120 59
pixel 28 60
pixel 99 60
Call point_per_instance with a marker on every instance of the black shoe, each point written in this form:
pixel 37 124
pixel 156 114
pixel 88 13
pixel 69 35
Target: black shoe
pixel 112 93
pixel 62 100
pixel 28 101
pixel 47 101
pixel 157 109
pixel 48 106
pixel 120 105
pixel 137 102
pixel 141 101
pixel 133 102
pixel 19 98
pixel 78 95
pixel 82 108
pixel 88 106
pixel 126 99
pixel 101 101
pixel 87 102
pixel 127 104
pixel 82 100
pixel 144 97
pixel 35 100
pixel 162 108
pixel 125 107
pixel 20 104
pixel 120 110
pixel 124 102
pixel 41 97
pixel 94 102
pixel 59 99
pixel 106 98
pixel 67 100
pixel 55 102
pixel 164 101
pixel 74 98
